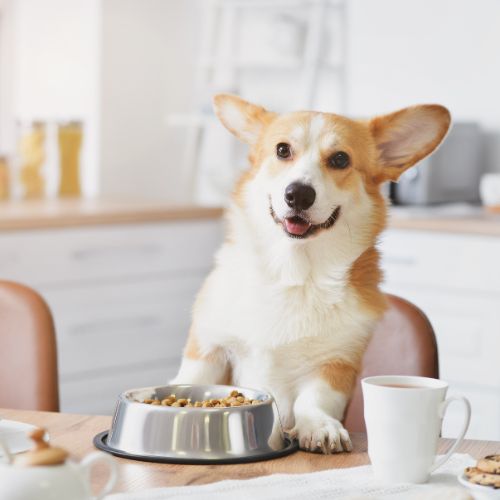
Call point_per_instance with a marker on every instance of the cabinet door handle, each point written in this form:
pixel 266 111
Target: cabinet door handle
pixel 7 259
pixel 115 325
pixel 146 251
pixel 399 260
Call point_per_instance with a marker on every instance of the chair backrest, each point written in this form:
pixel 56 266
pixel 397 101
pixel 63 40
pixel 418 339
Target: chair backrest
pixel 28 359
pixel 403 343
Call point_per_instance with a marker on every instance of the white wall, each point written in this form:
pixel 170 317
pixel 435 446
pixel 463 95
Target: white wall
pixel 53 73
pixel 6 84
pixel 444 51
pixel 56 57
pixel 148 57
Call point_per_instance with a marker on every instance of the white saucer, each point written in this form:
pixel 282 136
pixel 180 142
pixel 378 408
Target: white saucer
pixel 480 492
pixel 14 435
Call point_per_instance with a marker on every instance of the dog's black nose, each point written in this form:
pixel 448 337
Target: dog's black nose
pixel 299 196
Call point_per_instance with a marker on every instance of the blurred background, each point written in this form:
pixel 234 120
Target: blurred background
pixel 113 169
pixel 138 78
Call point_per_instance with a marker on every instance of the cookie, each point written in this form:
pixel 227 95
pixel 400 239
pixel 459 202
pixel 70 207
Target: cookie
pixel 490 464
pixel 476 476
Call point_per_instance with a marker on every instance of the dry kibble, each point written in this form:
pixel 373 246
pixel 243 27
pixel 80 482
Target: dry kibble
pixel 235 398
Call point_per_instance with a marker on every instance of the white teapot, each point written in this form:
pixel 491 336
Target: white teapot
pixel 44 473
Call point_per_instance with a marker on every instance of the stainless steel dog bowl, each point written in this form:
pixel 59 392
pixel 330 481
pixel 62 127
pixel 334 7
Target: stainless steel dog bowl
pixel 195 435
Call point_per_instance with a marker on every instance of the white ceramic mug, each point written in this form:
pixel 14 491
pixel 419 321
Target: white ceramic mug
pixel 403 425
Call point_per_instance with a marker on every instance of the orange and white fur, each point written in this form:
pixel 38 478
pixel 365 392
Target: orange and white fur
pixel 294 296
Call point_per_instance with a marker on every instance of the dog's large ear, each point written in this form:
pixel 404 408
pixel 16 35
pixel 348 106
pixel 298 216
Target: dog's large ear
pixel 243 119
pixel 405 137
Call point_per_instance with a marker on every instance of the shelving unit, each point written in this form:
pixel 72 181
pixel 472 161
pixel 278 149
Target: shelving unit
pixel 295 55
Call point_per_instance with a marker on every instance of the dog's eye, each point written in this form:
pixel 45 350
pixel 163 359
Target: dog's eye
pixel 283 150
pixel 339 160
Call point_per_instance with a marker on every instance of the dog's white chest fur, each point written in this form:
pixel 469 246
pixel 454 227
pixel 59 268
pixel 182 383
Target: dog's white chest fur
pixel 252 303
pixel 277 325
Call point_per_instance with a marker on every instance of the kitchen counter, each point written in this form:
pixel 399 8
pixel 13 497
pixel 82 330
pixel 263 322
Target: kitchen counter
pixel 458 219
pixel 37 214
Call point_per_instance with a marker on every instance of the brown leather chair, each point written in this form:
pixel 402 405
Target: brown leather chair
pixel 28 359
pixel 403 344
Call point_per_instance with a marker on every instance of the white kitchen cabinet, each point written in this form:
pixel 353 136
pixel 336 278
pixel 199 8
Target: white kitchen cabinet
pixel 121 296
pixel 455 280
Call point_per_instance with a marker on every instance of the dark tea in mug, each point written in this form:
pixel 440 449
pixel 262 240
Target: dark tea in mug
pixel 403 386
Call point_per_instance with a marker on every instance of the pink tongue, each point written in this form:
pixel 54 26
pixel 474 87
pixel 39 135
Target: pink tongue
pixel 296 226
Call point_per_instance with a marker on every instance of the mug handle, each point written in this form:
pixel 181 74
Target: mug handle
pixel 90 460
pixel 441 411
pixel 6 452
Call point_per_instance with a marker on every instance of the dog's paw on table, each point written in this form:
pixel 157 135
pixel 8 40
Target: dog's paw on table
pixel 321 435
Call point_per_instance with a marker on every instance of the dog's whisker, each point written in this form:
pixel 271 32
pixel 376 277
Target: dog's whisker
pixel 346 220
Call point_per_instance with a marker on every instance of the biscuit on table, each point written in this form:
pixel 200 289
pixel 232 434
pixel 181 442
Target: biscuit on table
pixel 490 464
pixel 477 476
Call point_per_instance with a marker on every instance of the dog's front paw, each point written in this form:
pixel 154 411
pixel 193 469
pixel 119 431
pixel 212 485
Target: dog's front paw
pixel 321 435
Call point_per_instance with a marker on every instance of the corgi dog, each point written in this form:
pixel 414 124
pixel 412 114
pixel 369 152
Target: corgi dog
pixel 295 292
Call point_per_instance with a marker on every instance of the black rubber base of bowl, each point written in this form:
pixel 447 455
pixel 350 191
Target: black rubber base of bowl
pixel 100 439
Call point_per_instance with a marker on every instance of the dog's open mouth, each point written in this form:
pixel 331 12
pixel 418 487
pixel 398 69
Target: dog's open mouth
pixel 298 226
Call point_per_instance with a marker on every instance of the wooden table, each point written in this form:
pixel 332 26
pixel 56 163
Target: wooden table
pixel 75 433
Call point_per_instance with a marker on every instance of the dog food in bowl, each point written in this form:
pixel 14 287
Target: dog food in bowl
pixel 143 429
pixel 235 398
